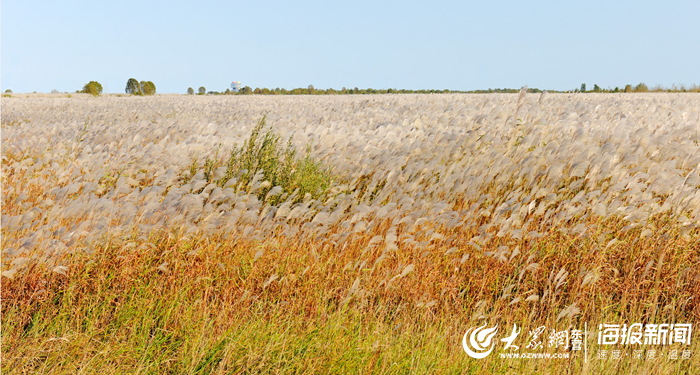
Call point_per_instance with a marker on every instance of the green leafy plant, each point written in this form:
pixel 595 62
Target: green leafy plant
pixel 264 158
pixel 133 86
pixel 93 88
pixel 148 87
pixel 642 87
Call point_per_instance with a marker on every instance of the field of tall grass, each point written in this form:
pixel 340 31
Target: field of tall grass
pixel 348 234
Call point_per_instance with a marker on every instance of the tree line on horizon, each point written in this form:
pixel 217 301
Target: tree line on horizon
pixel 641 87
pixel 311 90
pixel 135 87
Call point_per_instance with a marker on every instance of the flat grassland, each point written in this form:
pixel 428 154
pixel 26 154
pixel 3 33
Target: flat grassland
pixel 348 234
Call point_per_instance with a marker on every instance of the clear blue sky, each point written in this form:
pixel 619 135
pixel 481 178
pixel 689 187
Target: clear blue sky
pixel 457 45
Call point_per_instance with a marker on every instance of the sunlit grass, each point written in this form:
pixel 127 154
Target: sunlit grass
pixel 424 217
pixel 186 305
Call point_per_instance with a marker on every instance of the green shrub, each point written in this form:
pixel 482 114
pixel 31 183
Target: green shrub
pixel 137 88
pixel 641 88
pixel 264 152
pixel 93 88
pixel 148 88
pixel 133 86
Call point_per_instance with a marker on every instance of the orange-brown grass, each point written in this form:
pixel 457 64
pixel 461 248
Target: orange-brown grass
pixel 173 304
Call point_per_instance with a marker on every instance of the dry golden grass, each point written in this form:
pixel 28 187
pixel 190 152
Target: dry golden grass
pixel 360 283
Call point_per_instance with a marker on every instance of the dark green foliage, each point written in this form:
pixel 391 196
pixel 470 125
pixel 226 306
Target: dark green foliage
pixel 201 90
pixel 148 88
pixel 133 86
pixel 264 154
pixel 190 91
pixel 93 88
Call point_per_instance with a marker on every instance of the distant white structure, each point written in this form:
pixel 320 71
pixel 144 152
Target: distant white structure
pixel 236 85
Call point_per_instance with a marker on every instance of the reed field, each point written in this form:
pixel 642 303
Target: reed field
pixel 343 234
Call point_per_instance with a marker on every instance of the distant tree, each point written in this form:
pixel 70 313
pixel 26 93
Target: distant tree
pixel 201 90
pixel 628 88
pixel 597 88
pixel 8 91
pixel 311 89
pixel 93 88
pixel 257 91
pixel 133 86
pixel 641 88
pixel 148 88
pixel 190 91
pixel 54 91
pixel 583 87
pixel 228 92
pixel 617 89
pixel 245 90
